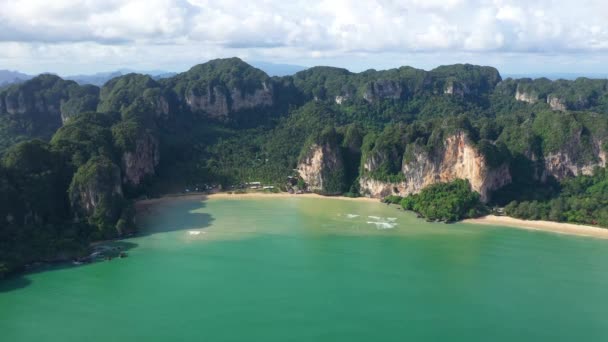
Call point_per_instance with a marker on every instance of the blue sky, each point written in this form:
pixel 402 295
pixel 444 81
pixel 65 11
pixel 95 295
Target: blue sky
pixel 517 36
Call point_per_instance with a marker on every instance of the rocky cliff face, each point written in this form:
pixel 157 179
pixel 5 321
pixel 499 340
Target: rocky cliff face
pixel 95 184
pixel 525 96
pixel 322 168
pixel 458 159
pixel 142 161
pixel 383 89
pixel 571 161
pixel 218 102
pixel 456 89
pixel 38 107
pixel 28 106
pixel 380 189
pixel 556 103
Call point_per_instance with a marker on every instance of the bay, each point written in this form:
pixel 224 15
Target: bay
pixel 301 269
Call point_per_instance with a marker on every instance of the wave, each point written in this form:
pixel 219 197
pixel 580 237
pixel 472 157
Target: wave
pixel 351 215
pixel 383 225
pixel 375 218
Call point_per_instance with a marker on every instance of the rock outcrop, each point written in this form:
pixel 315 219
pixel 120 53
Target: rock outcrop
pixel 556 103
pixel 523 96
pixel 571 161
pixel 217 102
pixel 383 89
pixel 340 99
pixel 380 189
pixel 322 168
pixel 96 190
pixel 142 161
pixel 456 89
pixel 457 159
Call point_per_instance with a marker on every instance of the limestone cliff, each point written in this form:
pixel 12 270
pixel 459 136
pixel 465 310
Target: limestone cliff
pixel 529 97
pixel 39 106
pixel 572 160
pixel 556 103
pixel 322 168
pixel 456 159
pixel 456 88
pixel 96 190
pixel 383 89
pixel 142 160
pixel 218 102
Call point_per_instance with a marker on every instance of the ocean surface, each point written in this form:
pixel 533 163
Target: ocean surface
pixel 306 269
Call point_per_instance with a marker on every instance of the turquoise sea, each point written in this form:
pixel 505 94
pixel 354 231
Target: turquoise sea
pixel 307 269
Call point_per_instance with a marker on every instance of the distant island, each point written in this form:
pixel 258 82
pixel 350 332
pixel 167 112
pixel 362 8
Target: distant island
pixel 451 143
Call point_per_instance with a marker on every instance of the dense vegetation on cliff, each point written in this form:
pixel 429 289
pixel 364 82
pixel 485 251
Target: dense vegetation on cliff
pixel 374 133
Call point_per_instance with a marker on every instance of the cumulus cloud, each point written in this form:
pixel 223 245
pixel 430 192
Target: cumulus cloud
pixel 290 28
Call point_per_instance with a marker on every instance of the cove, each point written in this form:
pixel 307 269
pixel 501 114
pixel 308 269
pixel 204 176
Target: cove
pixel 302 269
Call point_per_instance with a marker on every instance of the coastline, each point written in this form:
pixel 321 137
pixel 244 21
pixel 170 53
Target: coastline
pixel 546 226
pixel 493 220
pixel 247 195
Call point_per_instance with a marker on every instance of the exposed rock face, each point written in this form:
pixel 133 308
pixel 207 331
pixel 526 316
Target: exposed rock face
pixel 456 88
pixel 340 99
pixel 556 103
pixel 41 105
pixel 321 168
pixel 158 103
pixel 29 105
pixel 220 103
pixel 458 159
pixel 525 97
pixel 379 189
pixel 569 162
pixel 383 89
pixel 142 161
pixel 95 183
pixel 213 102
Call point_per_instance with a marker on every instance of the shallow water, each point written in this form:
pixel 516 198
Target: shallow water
pixel 303 269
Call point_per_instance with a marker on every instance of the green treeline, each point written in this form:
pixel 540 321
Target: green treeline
pixel 447 202
pixel 582 199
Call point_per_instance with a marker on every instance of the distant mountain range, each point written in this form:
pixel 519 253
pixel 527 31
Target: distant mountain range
pixel 8 77
pixel 273 69
pixel 557 75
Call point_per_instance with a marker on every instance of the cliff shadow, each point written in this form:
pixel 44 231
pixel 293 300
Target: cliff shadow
pixel 20 279
pixel 165 216
pixel 14 282
pixel 173 215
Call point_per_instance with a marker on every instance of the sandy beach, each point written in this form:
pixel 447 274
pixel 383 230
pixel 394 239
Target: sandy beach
pixel 548 226
pixel 226 195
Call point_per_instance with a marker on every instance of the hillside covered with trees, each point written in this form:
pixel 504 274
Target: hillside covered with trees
pixel 74 158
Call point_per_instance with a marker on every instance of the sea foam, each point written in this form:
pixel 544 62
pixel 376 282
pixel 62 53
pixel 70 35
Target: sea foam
pixel 383 225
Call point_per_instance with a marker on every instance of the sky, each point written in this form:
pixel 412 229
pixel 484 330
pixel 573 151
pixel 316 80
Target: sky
pixel 516 36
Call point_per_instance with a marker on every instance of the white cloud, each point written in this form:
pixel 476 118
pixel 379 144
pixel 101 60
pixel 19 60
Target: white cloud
pixel 126 30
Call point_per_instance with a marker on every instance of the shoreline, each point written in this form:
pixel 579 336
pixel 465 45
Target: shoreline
pixel 493 220
pixel 545 226
pixel 247 195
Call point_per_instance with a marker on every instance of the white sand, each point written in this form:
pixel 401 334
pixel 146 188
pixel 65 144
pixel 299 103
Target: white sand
pixel 548 226
pixel 144 203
